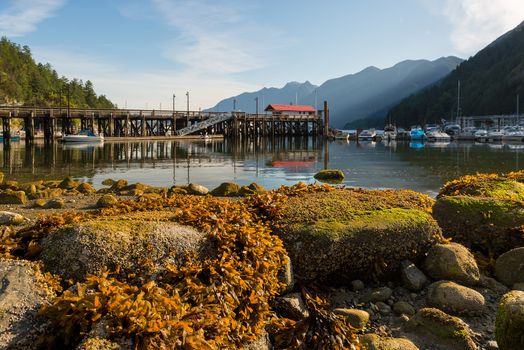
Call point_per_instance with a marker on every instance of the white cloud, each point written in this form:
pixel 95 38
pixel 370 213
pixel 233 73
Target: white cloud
pixel 476 23
pixel 22 16
pixel 214 37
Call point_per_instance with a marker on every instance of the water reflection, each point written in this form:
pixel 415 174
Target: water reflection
pixel 270 162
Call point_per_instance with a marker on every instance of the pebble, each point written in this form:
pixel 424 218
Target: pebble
pixel 357 285
pixel 383 308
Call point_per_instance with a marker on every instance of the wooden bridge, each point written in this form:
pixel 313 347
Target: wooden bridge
pixel 47 122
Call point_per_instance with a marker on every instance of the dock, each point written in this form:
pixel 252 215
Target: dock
pixel 142 124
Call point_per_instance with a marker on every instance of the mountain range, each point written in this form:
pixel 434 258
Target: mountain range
pixel 490 83
pixel 366 94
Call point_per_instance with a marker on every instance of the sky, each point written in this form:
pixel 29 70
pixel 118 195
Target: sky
pixel 141 52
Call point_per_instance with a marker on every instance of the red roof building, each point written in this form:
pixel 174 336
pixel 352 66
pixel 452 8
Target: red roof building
pixel 290 109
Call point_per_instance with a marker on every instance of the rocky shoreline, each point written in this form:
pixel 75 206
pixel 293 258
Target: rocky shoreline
pixel 302 267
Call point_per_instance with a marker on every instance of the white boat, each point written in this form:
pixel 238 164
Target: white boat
pixel 83 136
pixel 452 129
pixel 467 134
pixel 513 136
pixel 481 135
pixel 367 135
pixel 495 136
pixel 435 135
pixel 390 132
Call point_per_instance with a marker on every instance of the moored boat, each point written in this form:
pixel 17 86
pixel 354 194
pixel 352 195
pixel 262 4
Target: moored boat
pixel 417 133
pixel 85 135
pixel 390 132
pixel 367 135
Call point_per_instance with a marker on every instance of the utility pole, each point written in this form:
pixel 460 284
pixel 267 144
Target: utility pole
pixel 187 118
pixel 174 118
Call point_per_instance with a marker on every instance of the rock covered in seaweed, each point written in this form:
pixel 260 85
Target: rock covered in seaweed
pixel 226 189
pixel 485 211
pixel 353 233
pixel 89 247
pixel 330 176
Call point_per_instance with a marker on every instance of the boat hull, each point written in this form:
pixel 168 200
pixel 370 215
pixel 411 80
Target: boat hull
pixel 82 139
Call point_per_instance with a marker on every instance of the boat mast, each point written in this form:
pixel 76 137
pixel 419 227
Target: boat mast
pixel 518 102
pixel 458 102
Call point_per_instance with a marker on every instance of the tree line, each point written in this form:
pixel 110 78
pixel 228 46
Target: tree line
pixel 27 83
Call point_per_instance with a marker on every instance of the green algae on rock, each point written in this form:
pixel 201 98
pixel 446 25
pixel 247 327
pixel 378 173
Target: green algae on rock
pixel 13 197
pixel 330 176
pixel 346 233
pixel 106 200
pixel 491 224
pixel 509 324
pixel 448 329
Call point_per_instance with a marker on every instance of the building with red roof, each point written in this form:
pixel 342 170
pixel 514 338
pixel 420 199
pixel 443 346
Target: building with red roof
pixel 291 109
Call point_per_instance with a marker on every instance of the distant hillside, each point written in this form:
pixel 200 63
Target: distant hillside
pixel 25 82
pixel 366 94
pixel 490 82
pixel 290 94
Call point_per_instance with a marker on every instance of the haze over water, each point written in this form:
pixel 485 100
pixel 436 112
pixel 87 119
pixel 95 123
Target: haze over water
pixel 421 167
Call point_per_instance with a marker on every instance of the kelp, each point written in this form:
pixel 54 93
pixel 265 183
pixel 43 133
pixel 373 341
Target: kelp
pixel 218 302
pixel 322 329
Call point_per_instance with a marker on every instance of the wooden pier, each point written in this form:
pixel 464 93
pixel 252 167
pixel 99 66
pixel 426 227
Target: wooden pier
pixel 129 123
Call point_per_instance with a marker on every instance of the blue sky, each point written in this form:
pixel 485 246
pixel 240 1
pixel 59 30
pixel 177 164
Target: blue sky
pixel 141 52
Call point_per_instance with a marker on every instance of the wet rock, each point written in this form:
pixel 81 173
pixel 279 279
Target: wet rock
pixel 85 188
pixel 291 306
pixel 57 203
pixel 13 197
pixel 449 331
pixel 403 308
pixel 412 277
pixel 40 203
pixel 197 189
pixel 118 185
pixel 509 325
pixel 107 200
pixel 455 299
pixel 226 189
pixel 492 284
pixel 22 291
pixel 357 285
pixel 75 250
pixel 377 294
pixel 253 188
pixel 330 176
pixel 357 318
pixel 452 262
pixel 108 182
pixel 285 275
pixel 376 342
pixel 344 235
pixel 383 308
pixel 509 267
pixel 10 218
pixel 464 219
pixel 68 184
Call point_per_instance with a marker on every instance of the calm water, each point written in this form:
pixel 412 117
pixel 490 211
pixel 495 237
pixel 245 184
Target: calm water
pixel 422 167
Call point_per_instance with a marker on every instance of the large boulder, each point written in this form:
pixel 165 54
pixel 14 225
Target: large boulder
pixel 68 184
pixel 226 189
pixel 509 325
pixel 9 218
pixel 107 200
pixel 12 197
pixel 76 250
pixel 85 188
pixel 485 211
pixel 452 262
pixel 357 318
pixel 509 267
pixel 448 331
pixel 330 175
pixel 197 189
pixel 22 290
pixel 455 299
pixel 345 234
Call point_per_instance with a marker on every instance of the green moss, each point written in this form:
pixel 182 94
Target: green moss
pixel 488 223
pixel 330 176
pixel 509 324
